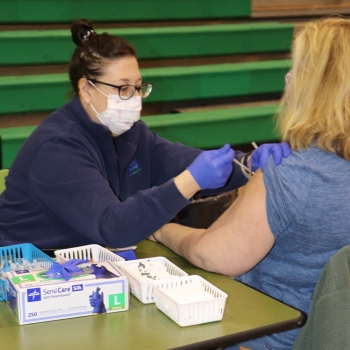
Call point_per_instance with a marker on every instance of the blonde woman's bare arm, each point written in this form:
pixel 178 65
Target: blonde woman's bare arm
pixel 235 243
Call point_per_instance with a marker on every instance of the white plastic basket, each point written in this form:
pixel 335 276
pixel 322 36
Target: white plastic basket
pixel 143 290
pixel 189 313
pixel 92 252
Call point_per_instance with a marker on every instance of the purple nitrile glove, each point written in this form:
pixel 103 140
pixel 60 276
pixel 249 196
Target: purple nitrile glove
pixel 101 271
pixel 211 169
pixel 96 301
pixel 261 155
pixel 65 270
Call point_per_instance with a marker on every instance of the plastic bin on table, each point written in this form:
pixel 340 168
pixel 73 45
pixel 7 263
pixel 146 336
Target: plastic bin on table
pixel 91 252
pixel 16 253
pixel 142 289
pixel 188 313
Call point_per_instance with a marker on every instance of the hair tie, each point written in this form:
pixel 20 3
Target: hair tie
pixel 87 35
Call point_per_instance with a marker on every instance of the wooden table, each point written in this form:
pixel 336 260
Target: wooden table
pixel 248 314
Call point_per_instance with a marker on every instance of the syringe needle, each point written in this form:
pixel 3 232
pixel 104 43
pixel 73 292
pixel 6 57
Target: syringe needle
pixel 243 166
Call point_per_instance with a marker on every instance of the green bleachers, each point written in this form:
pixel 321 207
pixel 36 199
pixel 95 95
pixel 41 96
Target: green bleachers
pixel 47 92
pixel 213 128
pixel 65 11
pixel 197 129
pixel 28 47
pixel 36 33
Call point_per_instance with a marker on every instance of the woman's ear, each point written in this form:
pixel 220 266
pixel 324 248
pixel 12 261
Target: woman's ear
pixel 84 89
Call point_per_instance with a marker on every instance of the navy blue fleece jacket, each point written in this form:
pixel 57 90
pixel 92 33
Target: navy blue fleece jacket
pixel 72 184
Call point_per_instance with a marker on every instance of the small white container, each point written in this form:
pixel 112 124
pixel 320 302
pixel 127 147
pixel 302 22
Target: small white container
pixel 143 290
pixel 92 252
pixel 189 313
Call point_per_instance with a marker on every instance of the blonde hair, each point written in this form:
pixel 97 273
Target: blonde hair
pixel 315 108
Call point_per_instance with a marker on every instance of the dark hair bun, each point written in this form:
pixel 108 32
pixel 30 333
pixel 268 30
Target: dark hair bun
pixel 81 30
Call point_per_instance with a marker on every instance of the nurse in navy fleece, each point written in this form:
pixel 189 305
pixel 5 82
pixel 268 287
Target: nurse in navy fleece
pixel 92 172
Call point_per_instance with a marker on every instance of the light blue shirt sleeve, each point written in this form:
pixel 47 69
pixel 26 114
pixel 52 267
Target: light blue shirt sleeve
pixel 285 195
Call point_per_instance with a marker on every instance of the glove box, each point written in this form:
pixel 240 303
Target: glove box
pixel 33 297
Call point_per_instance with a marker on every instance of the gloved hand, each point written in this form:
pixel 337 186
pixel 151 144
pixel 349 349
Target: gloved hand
pixel 261 155
pixel 65 270
pixel 211 169
pixel 96 301
pixel 102 272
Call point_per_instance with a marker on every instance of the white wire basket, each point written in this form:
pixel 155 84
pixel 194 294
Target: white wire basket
pixel 91 252
pixel 188 313
pixel 143 290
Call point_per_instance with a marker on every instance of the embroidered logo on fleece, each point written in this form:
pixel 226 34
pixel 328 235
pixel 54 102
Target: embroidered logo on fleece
pixel 134 168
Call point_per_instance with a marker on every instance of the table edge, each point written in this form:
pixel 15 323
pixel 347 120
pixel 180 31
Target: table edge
pixel 246 335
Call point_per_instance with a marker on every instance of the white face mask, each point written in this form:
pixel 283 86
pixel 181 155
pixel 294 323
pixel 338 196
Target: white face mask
pixel 120 115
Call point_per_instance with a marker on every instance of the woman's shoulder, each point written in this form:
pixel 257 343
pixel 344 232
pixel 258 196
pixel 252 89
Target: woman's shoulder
pixel 292 177
pixel 55 125
pixel 314 161
pixel 296 162
pixel 301 170
pixel 301 161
